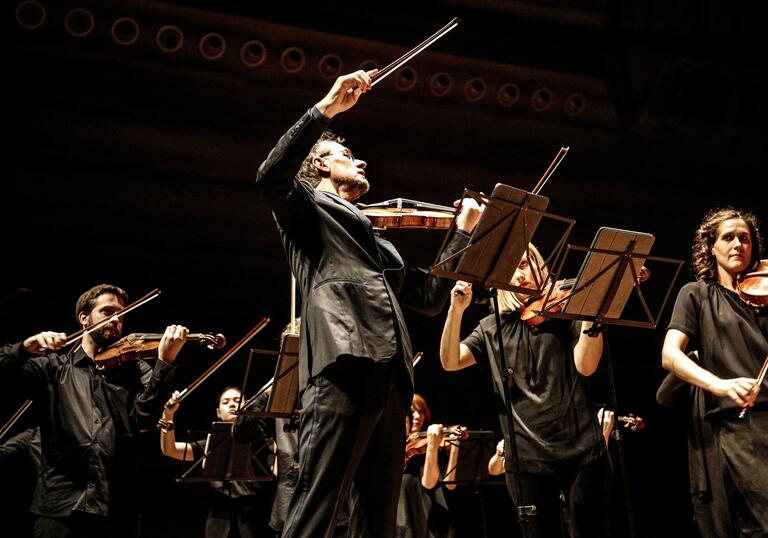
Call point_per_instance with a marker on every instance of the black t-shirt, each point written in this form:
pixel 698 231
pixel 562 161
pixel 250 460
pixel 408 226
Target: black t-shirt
pixel 729 334
pixel 556 426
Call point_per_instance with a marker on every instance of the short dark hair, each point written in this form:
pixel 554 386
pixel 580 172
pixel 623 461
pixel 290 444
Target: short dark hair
pixel 87 300
pixel 225 389
pixel 703 263
pixel 308 170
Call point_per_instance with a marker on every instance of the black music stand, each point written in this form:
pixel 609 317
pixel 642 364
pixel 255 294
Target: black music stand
pixel 284 396
pixel 608 276
pixel 475 450
pixel 497 245
pixel 225 459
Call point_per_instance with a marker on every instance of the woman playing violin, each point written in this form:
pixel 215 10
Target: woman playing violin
pixel 730 336
pixel 559 442
pixel 237 508
pixel 422 510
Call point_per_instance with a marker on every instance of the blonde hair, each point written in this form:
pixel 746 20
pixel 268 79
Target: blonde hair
pixel 508 300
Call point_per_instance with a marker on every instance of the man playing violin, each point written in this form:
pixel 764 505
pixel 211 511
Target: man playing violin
pixel 560 445
pixel 355 354
pixel 88 417
pixel 731 338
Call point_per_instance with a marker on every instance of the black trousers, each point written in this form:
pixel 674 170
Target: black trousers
pixel 351 442
pixel 585 490
pixel 744 447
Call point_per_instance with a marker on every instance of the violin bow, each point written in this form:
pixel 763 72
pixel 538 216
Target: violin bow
pixel 228 355
pixel 16 416
pixel 760 378
pixel 551 169
pixel 74 337
pixel 389 69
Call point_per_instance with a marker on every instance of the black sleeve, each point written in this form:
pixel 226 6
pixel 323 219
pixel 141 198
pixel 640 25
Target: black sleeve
pixel 685 314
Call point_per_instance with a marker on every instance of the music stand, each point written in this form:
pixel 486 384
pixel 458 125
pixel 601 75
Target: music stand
pixel 609 274
pixel 225 459
pixel 284 396
pixel 474 452
pixel 501 237
pixel 497 245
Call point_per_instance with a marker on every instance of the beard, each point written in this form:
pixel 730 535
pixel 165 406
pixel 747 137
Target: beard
pixel 353 188
pixel 106 335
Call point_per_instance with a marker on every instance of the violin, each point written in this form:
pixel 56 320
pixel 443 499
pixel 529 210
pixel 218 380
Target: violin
pixel 534 312
pixel 382 219
pixel 753 286
pixel 404 213
pixel 417 442
pixel 137 346
pixel 632 422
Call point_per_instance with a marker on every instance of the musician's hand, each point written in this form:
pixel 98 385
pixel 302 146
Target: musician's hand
pixel 434 435
pixel 171 343
pixel 172 405
pixel 741 390
pixel 469 214
pixel 606 418
pixel 345 92
pixel 461 295
pixel 44 342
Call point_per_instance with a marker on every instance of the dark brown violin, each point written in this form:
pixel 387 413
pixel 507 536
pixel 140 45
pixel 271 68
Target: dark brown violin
pixel 534 312
pixel 417 441
pixel 137 346
pixel 753 286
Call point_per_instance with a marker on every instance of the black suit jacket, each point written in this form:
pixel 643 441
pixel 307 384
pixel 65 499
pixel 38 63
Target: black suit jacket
pixel 352 282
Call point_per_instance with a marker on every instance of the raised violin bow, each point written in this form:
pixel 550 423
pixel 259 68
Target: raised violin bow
pixel 551 169
pixel 228 355
pixel 75 337
pixel 389 69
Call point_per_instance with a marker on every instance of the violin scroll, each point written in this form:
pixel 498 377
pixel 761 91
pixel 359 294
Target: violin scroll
pixel 212 341
pixel 632 422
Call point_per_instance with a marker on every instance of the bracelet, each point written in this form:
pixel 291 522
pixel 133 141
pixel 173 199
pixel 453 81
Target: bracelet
pixel 165 425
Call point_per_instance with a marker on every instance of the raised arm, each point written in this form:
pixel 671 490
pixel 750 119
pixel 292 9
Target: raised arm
pixel 431 473
pixel 168 445
pixel 588 350
pixel 453 354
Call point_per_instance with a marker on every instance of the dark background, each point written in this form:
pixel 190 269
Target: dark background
pixel 133 148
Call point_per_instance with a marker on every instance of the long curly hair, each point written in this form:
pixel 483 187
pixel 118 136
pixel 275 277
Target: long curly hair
pixel 703 263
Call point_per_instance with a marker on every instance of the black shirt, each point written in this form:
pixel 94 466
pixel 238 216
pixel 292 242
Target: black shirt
pixel 87 421
pixel 555 424
pixel 729 334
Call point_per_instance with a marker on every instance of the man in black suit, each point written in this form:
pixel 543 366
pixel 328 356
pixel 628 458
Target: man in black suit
pixel 355 353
